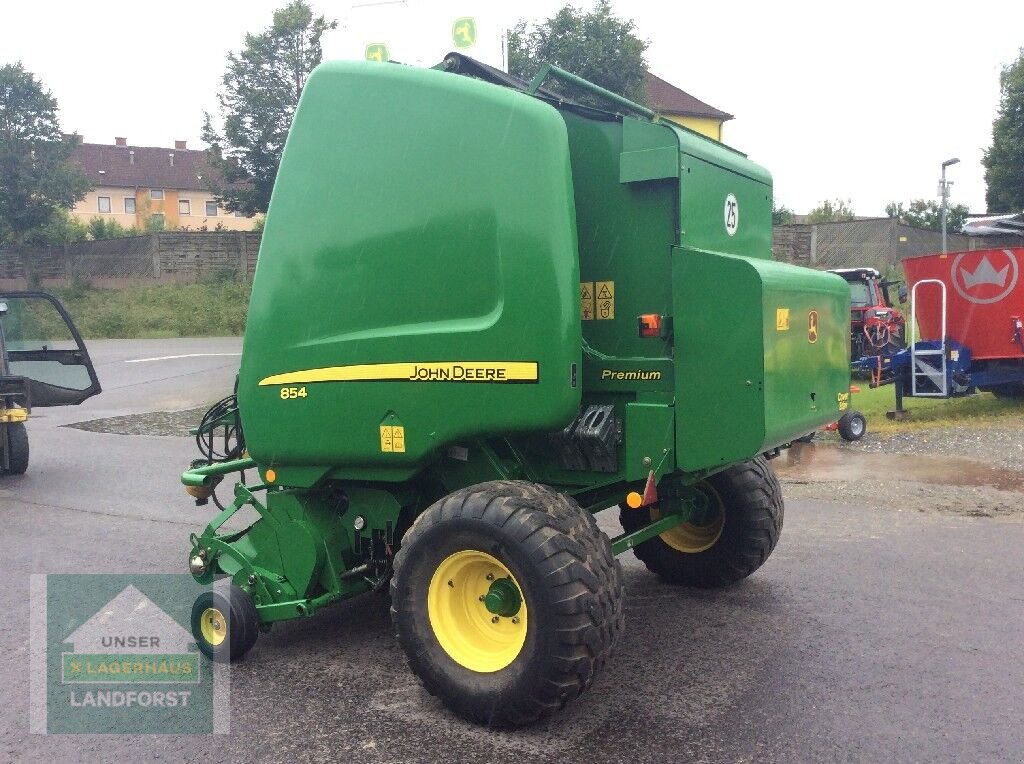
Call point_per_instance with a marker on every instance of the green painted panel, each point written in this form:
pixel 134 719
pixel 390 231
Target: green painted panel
pixel 744 384
pixel 418 273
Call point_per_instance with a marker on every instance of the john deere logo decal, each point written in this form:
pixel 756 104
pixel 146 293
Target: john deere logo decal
pixel 378 51
pixel 985 277
pixel 464 32
pixel 812 326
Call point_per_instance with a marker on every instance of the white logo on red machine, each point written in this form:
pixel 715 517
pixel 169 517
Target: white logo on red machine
pixel 731 215
pixel 985 277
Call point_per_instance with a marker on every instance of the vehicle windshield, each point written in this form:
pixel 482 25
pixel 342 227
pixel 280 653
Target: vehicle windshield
pixel 860 295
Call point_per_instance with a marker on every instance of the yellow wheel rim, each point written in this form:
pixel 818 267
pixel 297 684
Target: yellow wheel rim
pixel 213 626
pixel 462 589
pixel 692 538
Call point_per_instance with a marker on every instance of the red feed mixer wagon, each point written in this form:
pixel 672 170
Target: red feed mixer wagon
pixel 969 310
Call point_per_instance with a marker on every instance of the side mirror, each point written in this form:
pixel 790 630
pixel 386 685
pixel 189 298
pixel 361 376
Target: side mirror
pixel 902 292
pixel 3 308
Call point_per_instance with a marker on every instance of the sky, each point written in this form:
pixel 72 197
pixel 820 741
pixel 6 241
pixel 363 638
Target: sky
pixel 860 101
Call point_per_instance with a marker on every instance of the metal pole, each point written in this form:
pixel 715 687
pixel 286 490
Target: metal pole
pixel 945 193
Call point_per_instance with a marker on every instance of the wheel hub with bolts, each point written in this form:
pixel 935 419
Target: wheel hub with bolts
pixel 476 610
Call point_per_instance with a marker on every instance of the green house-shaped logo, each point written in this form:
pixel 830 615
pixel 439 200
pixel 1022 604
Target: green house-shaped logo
pixel 377 51
pixel 464 32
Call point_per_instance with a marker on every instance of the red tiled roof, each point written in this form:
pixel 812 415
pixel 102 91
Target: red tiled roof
pixel 107 165
pixel 666 98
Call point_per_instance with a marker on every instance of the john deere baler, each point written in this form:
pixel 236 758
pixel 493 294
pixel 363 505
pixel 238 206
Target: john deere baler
pixel 483 312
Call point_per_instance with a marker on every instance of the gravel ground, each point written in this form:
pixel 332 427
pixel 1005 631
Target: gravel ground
pixel 972 470
pixel 168 423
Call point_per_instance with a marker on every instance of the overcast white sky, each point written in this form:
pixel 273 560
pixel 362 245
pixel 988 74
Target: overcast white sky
pixel 853 100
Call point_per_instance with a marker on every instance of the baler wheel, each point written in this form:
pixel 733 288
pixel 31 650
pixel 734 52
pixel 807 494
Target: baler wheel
pixel 735 537
pixel 852 426
pixel 225 627
pixel 17 444
pixel 507 601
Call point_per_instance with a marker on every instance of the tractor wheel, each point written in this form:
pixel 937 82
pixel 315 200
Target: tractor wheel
pixel 852 426
pixel 225 626
pixel 743 521
pixel 507 601
pixel 1008 390
pixel 17 449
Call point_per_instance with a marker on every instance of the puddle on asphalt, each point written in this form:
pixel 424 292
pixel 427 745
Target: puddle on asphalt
pixel 816 463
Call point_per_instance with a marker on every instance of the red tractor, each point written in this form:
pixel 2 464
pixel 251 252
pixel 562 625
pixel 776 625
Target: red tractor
pixel 876 326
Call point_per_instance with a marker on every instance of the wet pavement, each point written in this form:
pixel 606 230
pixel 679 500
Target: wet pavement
pixel 872 634
pixel 824 463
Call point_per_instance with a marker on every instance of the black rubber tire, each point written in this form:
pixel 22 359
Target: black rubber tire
pixel 569 579
pixel 243 623
pixel 1008 391
pixel 17 443
pixel 852 426
pixel 751 498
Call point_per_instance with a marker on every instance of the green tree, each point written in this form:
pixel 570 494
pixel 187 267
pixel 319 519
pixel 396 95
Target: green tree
pixel 37 176
pixel 924 213
pixel 831 211
pixel 1004 160
pixel 781 214
pixel 259 92
pixel 595 44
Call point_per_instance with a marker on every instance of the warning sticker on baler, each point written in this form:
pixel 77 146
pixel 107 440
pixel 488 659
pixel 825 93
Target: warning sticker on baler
pixel 587 300
pixel 605 300
pixel 782 319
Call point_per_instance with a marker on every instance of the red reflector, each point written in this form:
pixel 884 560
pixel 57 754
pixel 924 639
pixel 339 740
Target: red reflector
pixel 650 325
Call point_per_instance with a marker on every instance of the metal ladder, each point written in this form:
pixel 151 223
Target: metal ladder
pixel 921 367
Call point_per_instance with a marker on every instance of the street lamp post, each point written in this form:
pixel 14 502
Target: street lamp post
pixel 944 193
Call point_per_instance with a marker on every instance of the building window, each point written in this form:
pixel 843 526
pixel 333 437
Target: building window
pixel 211 209
pixel 104 203
pixel 129 205
pixel 156 194
pixel 184 207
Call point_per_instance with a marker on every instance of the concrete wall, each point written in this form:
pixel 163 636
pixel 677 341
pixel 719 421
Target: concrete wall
pixel 880 243
pixel 159 257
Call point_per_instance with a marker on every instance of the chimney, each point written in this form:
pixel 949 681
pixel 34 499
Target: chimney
pixel 170 156
pixel 180 145
pixel 131 157
pixel 120 141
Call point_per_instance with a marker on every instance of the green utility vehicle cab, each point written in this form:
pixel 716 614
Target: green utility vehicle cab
pixel 43 362
pixel 482 313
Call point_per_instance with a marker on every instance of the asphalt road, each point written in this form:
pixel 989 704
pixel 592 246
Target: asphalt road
pixel 870 635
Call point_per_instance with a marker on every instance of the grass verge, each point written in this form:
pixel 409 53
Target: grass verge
pixel 972 411
pixel 215 308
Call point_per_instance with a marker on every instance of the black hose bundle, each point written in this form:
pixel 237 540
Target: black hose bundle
pixel 219 437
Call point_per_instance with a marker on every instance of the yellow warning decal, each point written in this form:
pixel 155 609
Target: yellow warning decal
pixel 431 371
pixel 605 300
pixel 587 300
pixel 782 319
pixel 392 439
pixel 843 399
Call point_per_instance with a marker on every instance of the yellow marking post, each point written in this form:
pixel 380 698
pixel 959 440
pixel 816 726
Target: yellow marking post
pixel 605 300
pixel 587 300
pixel 431 371
pixel 782 319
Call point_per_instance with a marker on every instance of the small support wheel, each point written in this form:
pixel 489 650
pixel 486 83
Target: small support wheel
pixel 852 426
pixel 507 601
pixel 225 626
pixel 17 449
pixel 735 527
